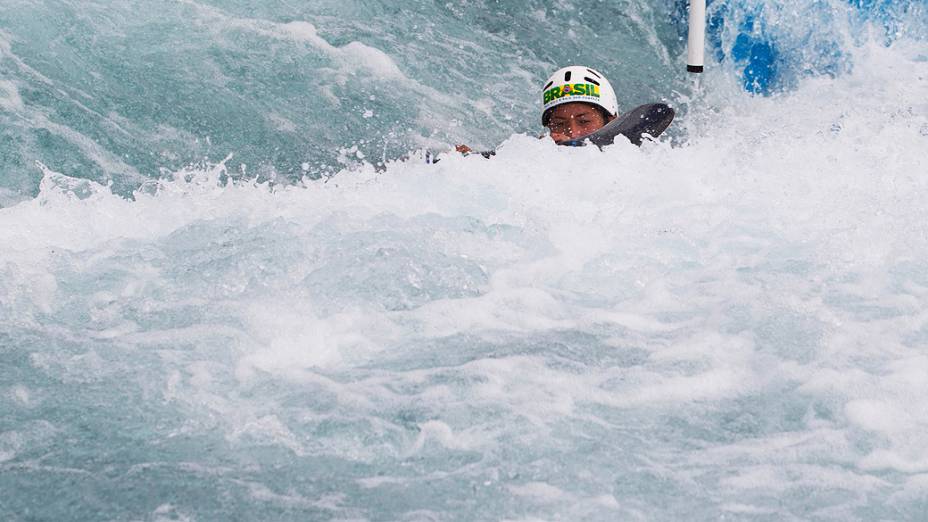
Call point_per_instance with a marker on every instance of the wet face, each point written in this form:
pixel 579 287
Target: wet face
pixel 572 120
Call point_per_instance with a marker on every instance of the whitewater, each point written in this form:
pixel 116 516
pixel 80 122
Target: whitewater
pixel 730 322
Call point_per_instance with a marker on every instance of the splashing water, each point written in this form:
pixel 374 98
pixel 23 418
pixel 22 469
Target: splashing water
pixel 733 325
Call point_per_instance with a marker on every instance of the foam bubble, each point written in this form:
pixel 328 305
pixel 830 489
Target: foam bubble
pixel 10 100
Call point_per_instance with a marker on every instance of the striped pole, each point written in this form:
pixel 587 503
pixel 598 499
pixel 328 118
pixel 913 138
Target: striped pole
pixel 696 42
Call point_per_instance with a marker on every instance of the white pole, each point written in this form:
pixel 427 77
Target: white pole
pixel 696 43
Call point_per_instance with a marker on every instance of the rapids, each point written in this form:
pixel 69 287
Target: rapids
pixel 225 295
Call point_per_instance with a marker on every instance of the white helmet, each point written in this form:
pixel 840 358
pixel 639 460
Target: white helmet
pixel 577 83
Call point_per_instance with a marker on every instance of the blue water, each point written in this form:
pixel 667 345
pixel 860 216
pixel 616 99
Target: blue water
pixel 225 295
pixel 772 45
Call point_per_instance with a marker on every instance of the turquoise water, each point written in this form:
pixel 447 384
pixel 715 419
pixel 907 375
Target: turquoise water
pixel 225 295
pixel 124 90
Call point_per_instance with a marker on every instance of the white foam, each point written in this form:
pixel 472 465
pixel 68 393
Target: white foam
pixel 21 394
pixel 439 432
pixel 168 512
pixel 878 416
pixel 10 100
pixel 539 491
pixel 353 56
pixel 267 430
pixel 767 274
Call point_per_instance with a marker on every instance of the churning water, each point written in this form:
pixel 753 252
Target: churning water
pixel 731 323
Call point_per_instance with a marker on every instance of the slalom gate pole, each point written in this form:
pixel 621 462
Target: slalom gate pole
pixel 696 41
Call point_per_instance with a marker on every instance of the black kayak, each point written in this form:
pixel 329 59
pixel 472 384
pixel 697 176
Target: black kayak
pixel 650 119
